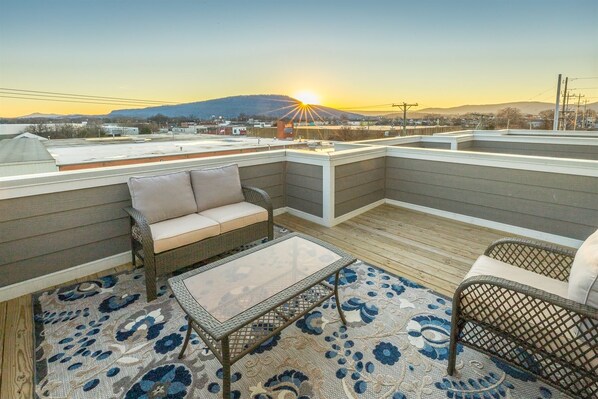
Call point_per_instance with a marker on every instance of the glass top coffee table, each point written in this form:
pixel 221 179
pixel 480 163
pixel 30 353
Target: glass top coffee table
pixel 239 302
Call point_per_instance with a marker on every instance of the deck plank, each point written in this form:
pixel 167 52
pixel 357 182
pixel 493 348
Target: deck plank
pixel 17 364
pixel 430 250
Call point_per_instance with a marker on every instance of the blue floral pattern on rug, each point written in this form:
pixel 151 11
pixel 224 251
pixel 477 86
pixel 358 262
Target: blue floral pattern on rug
pixel 101 339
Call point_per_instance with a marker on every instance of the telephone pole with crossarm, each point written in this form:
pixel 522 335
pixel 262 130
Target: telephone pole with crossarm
pixel 404 107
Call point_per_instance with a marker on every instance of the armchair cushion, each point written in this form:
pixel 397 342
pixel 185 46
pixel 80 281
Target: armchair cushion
pixel 216 187
pixel 583 279
pixel 485 265
pixel 174 233
pixel 235 216
pixel 162 197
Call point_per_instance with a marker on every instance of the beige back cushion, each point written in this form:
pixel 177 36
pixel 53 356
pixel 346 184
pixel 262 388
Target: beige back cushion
pixel 583 279
pixel 216 187
pixel 163 197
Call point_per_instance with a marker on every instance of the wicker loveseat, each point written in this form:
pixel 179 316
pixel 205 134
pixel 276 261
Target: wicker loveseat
pixel 182 218
pixel 536 307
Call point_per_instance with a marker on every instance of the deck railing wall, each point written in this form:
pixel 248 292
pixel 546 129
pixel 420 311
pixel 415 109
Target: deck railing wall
pixel 59 226
pixel 66 224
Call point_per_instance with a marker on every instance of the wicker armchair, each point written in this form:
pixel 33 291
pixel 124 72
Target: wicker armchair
pixel 548 335
pixel 159 264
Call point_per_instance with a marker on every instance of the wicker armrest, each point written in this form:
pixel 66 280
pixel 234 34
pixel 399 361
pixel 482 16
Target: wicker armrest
pixel 259 197
pixel 146 233
pixel 531 316
pixel 548 260
pixel 500 291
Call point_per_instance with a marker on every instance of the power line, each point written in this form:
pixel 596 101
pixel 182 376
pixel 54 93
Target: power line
pixel 64 101
pixel 82 96
pixel 369 106
pixel 539 94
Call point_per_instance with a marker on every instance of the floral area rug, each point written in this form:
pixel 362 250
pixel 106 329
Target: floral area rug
pixel 101 339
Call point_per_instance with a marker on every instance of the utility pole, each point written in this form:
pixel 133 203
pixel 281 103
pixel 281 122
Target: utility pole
pixel 555 122
pixel 576 112
pixel 566 115
pixel 404 107
pixel 565 105
pixel 585 108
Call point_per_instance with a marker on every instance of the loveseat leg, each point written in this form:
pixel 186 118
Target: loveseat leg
pixel 150 290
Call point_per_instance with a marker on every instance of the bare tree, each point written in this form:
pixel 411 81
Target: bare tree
pixel 547 117
pixel 509 118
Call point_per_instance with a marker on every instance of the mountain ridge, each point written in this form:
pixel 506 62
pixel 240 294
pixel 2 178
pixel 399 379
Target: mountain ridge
pixel 275 105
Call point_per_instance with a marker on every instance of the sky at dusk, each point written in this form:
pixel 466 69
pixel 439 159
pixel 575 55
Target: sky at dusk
pixel 351 54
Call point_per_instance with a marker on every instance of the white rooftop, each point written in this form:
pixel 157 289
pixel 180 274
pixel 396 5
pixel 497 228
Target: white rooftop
pixel 73 152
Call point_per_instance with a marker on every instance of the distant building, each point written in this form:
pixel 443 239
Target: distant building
pixel 185 130
pixel 22 156
pixel 113 130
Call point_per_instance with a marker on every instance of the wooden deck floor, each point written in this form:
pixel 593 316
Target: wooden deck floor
pixel 429 250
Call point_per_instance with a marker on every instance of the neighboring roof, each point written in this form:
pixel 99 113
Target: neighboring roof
pixel 23 150
pixel 30 136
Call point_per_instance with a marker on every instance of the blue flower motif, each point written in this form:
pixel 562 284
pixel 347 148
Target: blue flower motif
pixel 168 343
pixel 398 289
pixel 164 382
pixel 64 316
pixel 87 289
pixel 489 386
pixel 357 312
pixel 153 322
pixel 409 283
pixel 431 335
pixel 292 381
pixel 267 345
pixel 115 303
pixel 387 353
pixel 311 323
pixel 529 362
pixel 346 276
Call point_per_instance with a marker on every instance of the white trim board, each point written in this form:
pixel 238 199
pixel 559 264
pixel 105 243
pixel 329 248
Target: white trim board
pixel 356 212
pixel 49 280
pixel 307 216
pixel 539 235
pixel 579 167
pixel 46 183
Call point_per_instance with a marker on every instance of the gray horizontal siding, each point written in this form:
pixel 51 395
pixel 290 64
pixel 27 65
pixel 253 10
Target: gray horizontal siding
pixel 536 149
pixel 303 188
pixel 269 177
pixel 555 203
pixel 358 184
pixel 47 233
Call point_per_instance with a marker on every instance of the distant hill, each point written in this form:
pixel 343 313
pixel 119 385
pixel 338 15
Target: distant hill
pixel 231 107
pixel 526 107
pixel 37 115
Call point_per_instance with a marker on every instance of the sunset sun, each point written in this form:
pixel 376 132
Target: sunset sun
pixel 307 98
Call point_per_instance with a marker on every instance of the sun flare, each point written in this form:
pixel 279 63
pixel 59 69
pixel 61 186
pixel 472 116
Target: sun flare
pixel 307 98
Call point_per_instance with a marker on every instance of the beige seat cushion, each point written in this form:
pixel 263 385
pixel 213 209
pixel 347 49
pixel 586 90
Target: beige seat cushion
pixel 527 328
pixel 216 187
pixel 235 216
pixel 174 233
pixel 583 279
pixel 163 197
pixel 485 265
